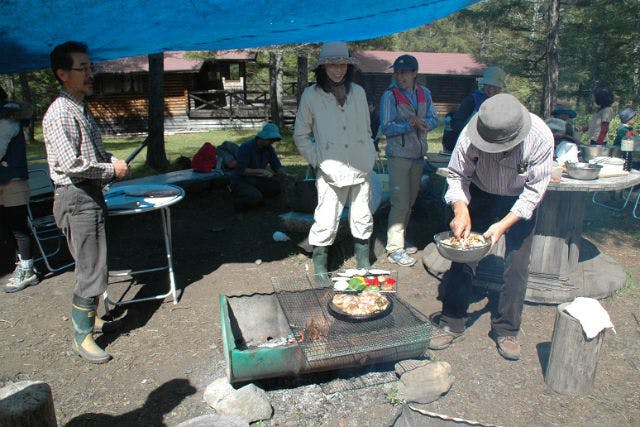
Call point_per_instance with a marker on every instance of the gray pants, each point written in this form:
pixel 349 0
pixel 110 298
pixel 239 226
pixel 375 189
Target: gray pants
pixel 80 213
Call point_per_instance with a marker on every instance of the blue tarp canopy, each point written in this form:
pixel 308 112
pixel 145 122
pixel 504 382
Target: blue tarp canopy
pixel 29 29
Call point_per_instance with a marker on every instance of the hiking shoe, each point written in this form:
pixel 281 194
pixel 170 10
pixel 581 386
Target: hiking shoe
pixel 400 257
pixel 443 338
pixel 410 248
pixel 21 278
pixel 508 347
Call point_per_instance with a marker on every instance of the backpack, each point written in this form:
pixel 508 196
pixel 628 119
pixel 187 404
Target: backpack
pixel 205 158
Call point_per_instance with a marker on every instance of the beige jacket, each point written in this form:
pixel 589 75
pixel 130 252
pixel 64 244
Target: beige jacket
pixel 335 139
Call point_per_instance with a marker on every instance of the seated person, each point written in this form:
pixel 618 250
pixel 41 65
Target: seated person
pixel 251 181
pixel 566 147
pixel 565 113
pixel 627 118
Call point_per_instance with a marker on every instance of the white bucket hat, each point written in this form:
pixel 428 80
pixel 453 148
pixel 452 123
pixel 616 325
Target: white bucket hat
pixel 334 53
pixel 501 123
pixel 494 76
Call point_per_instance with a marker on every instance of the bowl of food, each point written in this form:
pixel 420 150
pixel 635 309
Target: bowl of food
pixel 472 249
pixel 583 171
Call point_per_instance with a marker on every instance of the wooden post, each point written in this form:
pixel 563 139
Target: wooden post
pixel 27 404
pixel 573 358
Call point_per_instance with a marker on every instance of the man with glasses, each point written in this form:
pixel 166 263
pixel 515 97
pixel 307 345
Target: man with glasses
pixel 79 165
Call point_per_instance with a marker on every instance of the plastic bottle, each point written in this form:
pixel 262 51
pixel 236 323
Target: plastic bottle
pixel 626 147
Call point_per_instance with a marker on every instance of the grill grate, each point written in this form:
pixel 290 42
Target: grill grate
pixel 330 342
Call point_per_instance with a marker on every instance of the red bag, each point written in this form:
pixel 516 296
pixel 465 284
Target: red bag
pixel 205 159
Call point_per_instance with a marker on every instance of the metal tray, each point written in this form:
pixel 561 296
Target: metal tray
pixel 335 311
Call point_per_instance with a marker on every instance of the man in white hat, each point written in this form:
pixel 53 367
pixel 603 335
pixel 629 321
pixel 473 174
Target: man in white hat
pixel 491 83
pixel 333 133
pixel 498 174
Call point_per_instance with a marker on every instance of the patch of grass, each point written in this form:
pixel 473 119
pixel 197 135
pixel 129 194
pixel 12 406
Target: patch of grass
pixel 394 398
pixel 630 287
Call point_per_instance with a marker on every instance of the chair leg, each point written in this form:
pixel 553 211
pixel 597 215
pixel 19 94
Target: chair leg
pixel 614 208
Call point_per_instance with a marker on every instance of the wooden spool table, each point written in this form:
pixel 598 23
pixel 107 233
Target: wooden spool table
pixel 563 265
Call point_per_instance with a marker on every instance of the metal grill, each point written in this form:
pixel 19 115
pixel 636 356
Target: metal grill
pixel 330 342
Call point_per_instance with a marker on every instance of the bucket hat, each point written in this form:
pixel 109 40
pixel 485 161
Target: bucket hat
pixel 626 114
pixel 406 63
pixel 270 131
pixel 334 53
pixel 558 126
pixel 561 109
pixel 501 123
pixel 494 76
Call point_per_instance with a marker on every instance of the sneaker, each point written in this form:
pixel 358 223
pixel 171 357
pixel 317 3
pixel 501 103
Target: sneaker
pixel 410 248
pixel 400 257
pixel 21 279
pixel 508 347
pixel 443 337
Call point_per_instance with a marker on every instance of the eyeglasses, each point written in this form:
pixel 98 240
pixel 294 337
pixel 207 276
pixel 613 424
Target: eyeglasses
pixel 85 70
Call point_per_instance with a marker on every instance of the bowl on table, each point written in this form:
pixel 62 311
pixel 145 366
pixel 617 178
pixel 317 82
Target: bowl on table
pixel 583 171
pixel 590 152
pixel 461 253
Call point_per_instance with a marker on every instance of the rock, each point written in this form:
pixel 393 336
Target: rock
pixel 249 402
pixel 425 384
pixel 27 403
pixel 214 420
pixel 409 365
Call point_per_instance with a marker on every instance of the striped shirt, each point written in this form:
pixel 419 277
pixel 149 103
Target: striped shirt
pixel 523 171
pixel 74 145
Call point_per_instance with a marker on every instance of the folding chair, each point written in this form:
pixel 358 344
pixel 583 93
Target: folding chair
pixel 626 196
pixel 46 233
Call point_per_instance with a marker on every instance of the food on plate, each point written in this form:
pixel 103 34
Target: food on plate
pixel 360 283
pixel 473 241
pixel 341 285
pixel 379 271
pixel 365 303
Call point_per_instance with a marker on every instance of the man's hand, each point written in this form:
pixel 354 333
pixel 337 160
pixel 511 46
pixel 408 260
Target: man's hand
pixel 265 173
pixel 121 169
pixel 460 225
pixel 496 230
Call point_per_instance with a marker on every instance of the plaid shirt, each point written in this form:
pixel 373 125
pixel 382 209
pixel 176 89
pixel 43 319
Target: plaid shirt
pixel 74 146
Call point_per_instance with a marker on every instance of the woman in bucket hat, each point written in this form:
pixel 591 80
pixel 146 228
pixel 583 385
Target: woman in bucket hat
pixel 333 133
pixel 498 174
pixel 491 83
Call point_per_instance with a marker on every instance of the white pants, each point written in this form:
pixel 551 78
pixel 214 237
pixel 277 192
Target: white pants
pixel 331 202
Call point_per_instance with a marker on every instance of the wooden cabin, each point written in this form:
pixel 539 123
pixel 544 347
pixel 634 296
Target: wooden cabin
pixel 120 97
pixel 449 76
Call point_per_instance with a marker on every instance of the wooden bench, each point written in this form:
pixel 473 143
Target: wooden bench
pixel 186 178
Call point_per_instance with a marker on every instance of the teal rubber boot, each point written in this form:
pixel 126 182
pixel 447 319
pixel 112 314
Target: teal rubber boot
pixel 361 249
pixel 83 315
pixel 320 258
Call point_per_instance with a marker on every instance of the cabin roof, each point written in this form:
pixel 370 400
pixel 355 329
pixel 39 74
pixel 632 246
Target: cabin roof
pixel 380 61
pixel 174 61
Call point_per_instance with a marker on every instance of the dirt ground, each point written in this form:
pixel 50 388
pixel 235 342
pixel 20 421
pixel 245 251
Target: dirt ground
pixel 167 354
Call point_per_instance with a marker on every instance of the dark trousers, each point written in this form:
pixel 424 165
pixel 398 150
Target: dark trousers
pixel 486 209
pixel 16 218
pixel 250 191
pixel 80 213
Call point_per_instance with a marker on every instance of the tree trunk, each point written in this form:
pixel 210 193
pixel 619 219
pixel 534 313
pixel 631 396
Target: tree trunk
pixel 551 75
pixel 26 97
pixel 275 87
pixel 156 155
pixel 573 358
pixel 303 73
pixel 27 404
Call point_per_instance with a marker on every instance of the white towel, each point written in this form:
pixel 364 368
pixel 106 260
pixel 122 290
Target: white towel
pixel 591 315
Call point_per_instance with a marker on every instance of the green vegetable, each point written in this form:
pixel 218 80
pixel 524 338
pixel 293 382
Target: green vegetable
pixel 374 288
pixel 356 284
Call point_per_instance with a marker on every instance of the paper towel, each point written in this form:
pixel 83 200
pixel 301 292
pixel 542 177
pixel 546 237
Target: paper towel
pixel 591 315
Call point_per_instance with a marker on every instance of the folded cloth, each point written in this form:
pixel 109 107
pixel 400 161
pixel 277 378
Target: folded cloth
pixel 591 315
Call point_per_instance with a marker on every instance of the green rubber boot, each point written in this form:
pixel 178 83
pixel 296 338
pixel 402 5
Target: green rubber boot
pixel 361 249
pixel 83 316
pixel 320 258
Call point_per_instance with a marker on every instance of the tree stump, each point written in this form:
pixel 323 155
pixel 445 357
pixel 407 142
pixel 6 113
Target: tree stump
pixel 27 404
pixel 573 358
